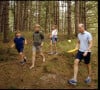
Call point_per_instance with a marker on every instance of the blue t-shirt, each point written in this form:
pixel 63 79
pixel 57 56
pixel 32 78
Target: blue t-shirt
pixel 84 41
pixel 19 42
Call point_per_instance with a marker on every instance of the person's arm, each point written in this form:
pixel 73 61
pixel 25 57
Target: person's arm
pixel 25 41
pixel 50 36
pixel 90 45
pixel 12 45
pixel 42 44
pixel 42 38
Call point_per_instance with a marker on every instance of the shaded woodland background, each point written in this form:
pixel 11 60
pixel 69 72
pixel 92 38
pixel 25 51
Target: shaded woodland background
pixel 58 69
pixel 22 15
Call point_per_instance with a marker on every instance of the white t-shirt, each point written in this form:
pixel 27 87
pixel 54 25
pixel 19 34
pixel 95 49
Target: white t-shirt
pixel 54 33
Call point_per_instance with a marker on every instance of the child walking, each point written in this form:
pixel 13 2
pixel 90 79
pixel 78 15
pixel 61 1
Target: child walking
pixel 53 41
pixel 38 38
pixel 19 42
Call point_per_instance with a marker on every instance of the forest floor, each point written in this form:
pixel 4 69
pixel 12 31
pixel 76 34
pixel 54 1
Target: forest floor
pixel 52 74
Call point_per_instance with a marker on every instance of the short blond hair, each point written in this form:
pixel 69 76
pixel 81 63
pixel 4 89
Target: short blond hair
pixel 81 25
pixel 16 32
pixel 37 25
pixel 55 26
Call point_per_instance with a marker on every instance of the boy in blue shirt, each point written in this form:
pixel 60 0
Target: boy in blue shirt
pixel 19 42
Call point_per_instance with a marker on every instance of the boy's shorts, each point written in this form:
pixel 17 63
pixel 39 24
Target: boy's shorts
pixel 20 49
pixel 54 39
pixel 86 58
pixel 37 49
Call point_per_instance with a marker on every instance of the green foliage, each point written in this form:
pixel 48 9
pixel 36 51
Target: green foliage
pixel 92 15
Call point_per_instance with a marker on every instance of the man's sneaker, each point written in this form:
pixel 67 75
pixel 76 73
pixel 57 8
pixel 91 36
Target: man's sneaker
pixel 88 80
pixel 72 82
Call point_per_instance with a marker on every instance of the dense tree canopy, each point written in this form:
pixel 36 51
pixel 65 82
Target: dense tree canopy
pixel 24 14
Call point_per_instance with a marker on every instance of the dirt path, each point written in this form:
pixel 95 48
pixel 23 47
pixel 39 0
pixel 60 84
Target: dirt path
pixel 52 74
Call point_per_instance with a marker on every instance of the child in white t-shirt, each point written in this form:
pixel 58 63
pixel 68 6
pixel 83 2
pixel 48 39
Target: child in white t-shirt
pixel 53 40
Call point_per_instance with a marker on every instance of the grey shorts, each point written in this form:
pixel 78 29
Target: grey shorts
pixel 37 49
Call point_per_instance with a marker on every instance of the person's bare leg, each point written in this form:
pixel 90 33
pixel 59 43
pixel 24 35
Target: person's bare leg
pixel 24 56
pixel 33 59
pixel 51 49
pixel 41 53
pixel 75 68
pixel 55 47
pixel 89 69
pixel 21 55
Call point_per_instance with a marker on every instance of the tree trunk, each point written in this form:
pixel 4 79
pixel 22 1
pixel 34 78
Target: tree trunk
pixel 80 8
pixel 57 16
pixel 69 19
pixel 25 16
pixel 39 10
pixel 30 17
pixel 36 11
pixel 15 15
pixel 62 18
pixel 54 12
pixel 5 20
pixel 46 19
pixel 76 17
pixel 1 9
pixel 65 16
pixel 50 14
pixel 82 11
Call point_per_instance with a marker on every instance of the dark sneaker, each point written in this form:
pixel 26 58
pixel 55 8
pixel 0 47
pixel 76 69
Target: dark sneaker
pixel 72 82
pixel 88 80
pixel 25 59
pixel 22 62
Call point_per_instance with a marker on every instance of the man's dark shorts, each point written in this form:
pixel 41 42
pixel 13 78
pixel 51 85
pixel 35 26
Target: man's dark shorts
pixel 86 58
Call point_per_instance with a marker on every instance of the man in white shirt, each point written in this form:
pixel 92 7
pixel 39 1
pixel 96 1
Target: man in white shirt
pixel 84 44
